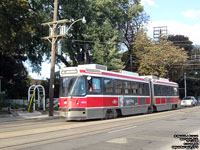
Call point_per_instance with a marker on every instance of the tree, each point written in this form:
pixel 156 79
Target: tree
pixel 15 80
pixel 20 34
pixel 182 42
pixel 192 71
pixel 101 37
pixel 163 59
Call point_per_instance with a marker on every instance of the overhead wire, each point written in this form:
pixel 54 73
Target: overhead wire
pixel 109 43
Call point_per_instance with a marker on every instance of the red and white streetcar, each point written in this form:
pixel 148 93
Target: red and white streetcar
pixel 90 92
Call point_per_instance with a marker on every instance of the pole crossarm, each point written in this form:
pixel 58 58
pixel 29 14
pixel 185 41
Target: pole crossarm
pixel 55 22
pixel 55 36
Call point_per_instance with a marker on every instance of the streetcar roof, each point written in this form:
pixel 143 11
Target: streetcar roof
pixel 101 71
pixel 163 81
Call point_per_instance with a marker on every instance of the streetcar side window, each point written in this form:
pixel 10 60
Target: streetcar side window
pixel 140 89
pixel 118 86
pixel 127 87
pixel 163 90
pixel 146 89
pixel 171 91
pixel 94 85
pixel 134 88
pixel 168 91
pixel 175 89
pixel 157 90
pixel 108 86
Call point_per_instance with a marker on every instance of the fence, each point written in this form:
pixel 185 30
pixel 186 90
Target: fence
pixel 17 101
pixel 26 103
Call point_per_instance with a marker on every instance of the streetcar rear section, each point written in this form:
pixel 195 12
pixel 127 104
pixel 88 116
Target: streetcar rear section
pixel 165 94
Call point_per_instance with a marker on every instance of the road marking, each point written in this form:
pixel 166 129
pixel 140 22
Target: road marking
pixel 122 129
pixel 118 141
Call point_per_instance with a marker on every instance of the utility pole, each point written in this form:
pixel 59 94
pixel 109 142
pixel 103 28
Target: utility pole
pixel 131 62
pixel 54 35
pixel 53 53
pixel 185 84
pixel 53 40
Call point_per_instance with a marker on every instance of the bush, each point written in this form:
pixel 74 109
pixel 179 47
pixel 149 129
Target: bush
pixel 18 106
pixel 3 102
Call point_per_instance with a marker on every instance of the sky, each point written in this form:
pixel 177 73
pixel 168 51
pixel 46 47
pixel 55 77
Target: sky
pixel 180 16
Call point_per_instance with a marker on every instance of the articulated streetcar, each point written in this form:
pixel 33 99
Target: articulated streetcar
pixel 90 92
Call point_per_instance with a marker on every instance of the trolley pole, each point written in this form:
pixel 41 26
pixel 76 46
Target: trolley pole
pixel 185 84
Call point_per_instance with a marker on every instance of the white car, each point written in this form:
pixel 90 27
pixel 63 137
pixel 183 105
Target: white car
pixel 189 101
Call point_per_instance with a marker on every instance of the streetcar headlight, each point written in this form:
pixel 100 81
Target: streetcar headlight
pixel 77 102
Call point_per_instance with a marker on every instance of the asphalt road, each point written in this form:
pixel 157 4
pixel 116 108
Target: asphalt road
pixel 157 131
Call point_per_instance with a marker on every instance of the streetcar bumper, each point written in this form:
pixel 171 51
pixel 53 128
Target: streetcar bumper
pixel 74 114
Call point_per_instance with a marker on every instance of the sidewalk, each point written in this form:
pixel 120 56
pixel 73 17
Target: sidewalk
pixel 24 115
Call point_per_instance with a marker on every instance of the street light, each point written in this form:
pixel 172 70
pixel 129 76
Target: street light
pixel 64 31
pixel 81 19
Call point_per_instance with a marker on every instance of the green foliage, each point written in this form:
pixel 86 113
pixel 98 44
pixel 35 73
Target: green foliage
pixel 18 106
pixel 20 40
pixel 3 102
pixel 182 42
pixel 45 84
pixel 109 24
pixel 20 31
pixel 15 80
pixel 2 96
pixel 99 40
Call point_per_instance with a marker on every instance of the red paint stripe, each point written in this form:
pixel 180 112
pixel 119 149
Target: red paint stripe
pixel 157 101
pixel 113 75
pixel 138 101
pixel 85 102
pixel 148 100
pixel 89 102
pixel 121 76
pixel 84 71
pixel 163 100
pixel 174 100
pixel 167 83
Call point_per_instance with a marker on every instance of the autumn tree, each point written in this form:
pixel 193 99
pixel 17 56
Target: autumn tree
pixel 162 59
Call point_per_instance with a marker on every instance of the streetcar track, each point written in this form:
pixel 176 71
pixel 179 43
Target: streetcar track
pixel 54 139
pixel 21 119
pixel 24 124
pixel 29 124
pixel 149 120
pixel 72 123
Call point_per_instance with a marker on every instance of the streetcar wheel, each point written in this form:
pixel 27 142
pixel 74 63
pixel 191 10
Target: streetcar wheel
pixel 150 110
pixel 111 114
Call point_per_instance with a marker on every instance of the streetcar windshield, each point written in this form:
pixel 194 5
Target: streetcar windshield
pixel 73 86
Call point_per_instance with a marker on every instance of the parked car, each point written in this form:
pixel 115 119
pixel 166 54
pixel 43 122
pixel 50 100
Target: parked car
pixel 189 101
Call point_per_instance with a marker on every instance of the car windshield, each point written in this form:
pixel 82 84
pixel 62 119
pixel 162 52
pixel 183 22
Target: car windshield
pixel 187 98
pixel 73 86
